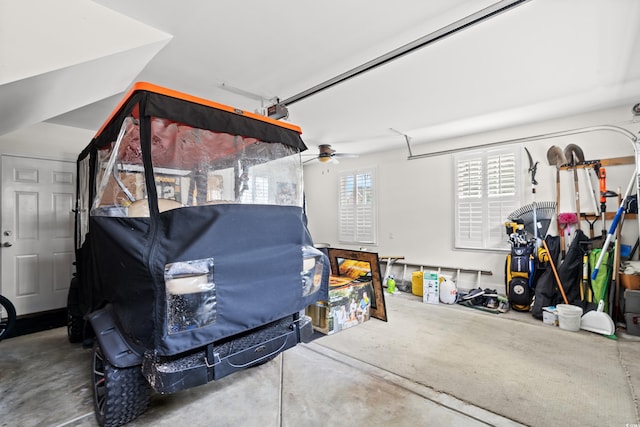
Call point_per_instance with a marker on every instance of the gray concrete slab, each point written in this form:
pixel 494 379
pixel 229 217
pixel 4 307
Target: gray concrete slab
pixel 385 398
pixel 429 365
pixel 44 380
pixel 512 365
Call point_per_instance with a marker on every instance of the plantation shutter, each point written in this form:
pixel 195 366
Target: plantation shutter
pixel 469 195
pixel 357 208
pixel 487 191
pixel 501 196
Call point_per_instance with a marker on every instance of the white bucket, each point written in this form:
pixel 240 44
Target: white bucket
pixel 569 317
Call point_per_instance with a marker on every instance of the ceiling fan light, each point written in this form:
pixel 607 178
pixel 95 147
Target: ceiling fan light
pixel 326 149
pixel 324 159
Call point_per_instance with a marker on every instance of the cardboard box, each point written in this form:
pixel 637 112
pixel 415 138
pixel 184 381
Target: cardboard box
pixel 349 305
pixel 630 281
pixel 431 287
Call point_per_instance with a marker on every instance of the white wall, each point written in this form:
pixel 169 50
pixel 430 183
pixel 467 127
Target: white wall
pixel 415 197
pixel 45 140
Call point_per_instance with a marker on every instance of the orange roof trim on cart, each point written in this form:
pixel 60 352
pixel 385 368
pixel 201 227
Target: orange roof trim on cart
pixel 149 87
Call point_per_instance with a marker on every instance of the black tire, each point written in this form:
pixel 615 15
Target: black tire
pixel 119 394
pixel 75 328
pixel 75 322
pixel 7 317
pixel 265 361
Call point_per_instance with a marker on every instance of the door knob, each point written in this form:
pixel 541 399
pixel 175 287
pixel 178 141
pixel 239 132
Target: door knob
pixel 7 244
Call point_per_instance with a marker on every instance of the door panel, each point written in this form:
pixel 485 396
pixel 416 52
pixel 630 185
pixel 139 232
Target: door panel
pixel 37 232
pixel 26 274
pixel 62 224
pixel 62 270
pixel 26 215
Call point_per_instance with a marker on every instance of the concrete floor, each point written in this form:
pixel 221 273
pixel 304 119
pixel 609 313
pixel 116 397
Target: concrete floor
pixel 430 365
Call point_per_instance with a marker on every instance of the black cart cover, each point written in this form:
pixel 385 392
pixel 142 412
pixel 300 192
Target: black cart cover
pixel 247 258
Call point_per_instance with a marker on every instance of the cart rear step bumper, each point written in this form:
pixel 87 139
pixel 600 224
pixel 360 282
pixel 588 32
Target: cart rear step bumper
pixel 171 374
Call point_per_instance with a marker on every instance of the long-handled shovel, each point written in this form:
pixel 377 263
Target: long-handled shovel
pixel 594 199
pixel 577 191
pixel 555 157
pixel 574 154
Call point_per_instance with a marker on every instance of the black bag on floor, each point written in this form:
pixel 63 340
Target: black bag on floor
pixel 545 292
pixel 519 271
pixel 569 270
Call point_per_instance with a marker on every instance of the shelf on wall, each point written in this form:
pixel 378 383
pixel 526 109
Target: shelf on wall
pixel 613 161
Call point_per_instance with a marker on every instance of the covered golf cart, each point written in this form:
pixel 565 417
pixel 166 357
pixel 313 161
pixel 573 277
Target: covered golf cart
pixel 192 254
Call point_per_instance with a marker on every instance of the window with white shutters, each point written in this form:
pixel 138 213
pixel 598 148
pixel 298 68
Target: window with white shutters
pixel 256 191
pixel 357 208
pixel 487 191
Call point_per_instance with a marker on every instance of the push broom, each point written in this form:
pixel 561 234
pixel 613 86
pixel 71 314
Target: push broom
pixel 597 320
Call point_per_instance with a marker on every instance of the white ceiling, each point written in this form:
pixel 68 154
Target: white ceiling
pixel 543 59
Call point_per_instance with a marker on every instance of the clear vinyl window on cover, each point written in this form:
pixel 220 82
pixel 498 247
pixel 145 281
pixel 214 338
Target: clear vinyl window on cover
pixel 194 167
pixel 119 173
pixel 83 201
pixel 191 295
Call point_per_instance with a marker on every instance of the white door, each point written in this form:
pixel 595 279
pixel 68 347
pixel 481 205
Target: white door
pixel 37 232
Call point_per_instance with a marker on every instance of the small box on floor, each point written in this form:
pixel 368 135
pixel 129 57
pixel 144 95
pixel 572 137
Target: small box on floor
pixel 349 305
pixel 633 323
pixel 631 301
pixel 431 288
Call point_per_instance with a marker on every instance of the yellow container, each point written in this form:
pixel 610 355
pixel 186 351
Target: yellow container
pixel 416 283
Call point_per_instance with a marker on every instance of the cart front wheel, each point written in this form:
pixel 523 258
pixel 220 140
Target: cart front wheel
pixel 119 394
pixel 7 317
pixel 75 327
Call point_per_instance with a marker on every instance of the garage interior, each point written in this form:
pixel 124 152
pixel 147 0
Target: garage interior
pixel 403 94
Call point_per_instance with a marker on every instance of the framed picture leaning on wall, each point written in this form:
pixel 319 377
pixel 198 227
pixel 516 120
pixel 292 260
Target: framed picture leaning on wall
pixel 360 265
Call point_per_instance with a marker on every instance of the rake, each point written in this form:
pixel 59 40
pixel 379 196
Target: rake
pixel 537 212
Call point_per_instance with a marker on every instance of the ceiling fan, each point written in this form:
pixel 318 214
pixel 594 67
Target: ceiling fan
pixel 326 154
